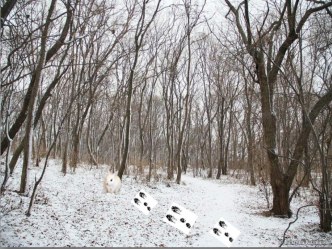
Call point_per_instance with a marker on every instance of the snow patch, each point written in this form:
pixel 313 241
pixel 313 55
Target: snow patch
pixel 73 210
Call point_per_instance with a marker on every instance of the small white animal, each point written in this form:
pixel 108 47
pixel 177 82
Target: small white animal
pixel 112 183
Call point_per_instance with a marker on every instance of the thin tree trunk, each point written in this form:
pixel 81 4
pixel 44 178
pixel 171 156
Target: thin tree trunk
pixel 248 94
pixel 88 142
pixel 65 157
pixel 221 161
pixel 141 30
pixel 150 141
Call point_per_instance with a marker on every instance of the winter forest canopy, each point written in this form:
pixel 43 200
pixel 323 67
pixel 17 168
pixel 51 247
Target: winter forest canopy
pixel 165 88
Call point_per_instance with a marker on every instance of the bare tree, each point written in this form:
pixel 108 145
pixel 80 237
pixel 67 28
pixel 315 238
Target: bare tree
pixel 51 52
pixel 141 29
pixel 259 45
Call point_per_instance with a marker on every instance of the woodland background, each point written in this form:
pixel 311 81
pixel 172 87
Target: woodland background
pixel 210 88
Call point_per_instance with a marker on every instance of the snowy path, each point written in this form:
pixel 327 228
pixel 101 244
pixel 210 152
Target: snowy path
pixel 74 211
pixel 217 200
pixel 229 200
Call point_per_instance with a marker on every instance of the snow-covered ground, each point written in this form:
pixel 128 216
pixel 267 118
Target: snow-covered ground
pixel 72 210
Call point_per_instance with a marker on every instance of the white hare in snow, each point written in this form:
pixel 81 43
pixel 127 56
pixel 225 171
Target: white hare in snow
pixel 112 183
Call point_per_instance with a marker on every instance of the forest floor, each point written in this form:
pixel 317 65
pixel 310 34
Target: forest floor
pixel 73 210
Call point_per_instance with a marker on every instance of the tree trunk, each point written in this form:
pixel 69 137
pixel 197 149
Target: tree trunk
pixel 169 142
pixel 307 167
pixel 280 188
pixel 249 135
pixel 128 120
pixel 75 152
pixel 224 169
pixel 32 102
pixel 65 157
pixel 221 107
pixel 141 128
pixel 141 30
pixel 325 212
pixel 88 142
pixel 150 142
pixel 267 72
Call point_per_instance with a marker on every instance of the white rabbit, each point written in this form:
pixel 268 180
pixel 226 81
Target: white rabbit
pixel 112 183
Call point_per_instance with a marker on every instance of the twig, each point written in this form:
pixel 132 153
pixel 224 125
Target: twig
pixel 292 222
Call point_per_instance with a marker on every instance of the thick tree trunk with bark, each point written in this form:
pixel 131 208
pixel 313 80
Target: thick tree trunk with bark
pixel 325 216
